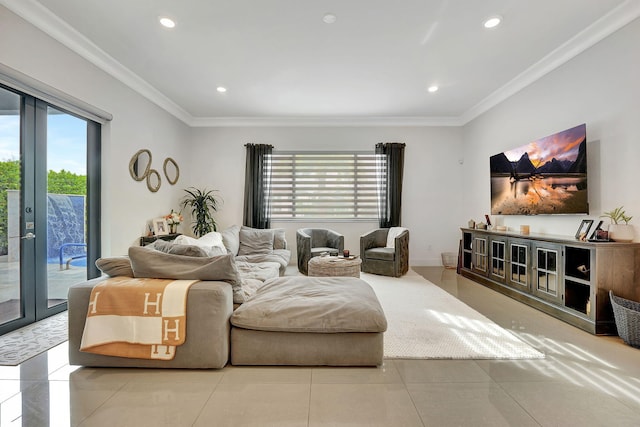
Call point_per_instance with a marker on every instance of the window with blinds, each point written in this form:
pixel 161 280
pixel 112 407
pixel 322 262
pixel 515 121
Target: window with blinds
pixel 338 185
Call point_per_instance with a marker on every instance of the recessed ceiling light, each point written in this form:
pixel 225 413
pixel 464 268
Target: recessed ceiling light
pixel 433 88
pixel 329 18
pixel 492 21
pixel 167 22
pixel 221 89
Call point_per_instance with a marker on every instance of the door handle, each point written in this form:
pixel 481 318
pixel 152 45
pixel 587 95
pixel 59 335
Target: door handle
pixel 28 236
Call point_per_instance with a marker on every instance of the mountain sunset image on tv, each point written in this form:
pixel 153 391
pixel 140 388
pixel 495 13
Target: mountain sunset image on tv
pixel 546 176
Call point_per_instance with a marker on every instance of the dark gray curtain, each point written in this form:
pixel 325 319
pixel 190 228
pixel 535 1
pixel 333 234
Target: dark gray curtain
pixel 257 186
pixel 390 168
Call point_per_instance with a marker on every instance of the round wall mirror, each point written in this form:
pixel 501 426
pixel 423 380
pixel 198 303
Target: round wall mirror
pixel 140 164
pixel 171 170
pixel 153 180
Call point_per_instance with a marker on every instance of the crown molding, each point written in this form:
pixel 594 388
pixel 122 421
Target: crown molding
pixel 603 27
pixel 322 121
pixel 42 18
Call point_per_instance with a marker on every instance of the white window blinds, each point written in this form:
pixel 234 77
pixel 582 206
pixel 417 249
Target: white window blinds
pixel 324 185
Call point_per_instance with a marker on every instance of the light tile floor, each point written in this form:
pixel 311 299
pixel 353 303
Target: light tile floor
pixel 584 381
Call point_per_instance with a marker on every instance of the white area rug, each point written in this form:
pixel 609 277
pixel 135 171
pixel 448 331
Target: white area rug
pixel 426 322
pixel 27 342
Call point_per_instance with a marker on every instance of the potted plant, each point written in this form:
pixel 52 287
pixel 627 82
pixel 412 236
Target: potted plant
pixel 202 204
pixel 619 230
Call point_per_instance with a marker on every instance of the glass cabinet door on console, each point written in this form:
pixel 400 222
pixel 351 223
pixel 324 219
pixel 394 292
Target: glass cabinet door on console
pixel 498 259
pixel 467 252
pixel 547 273
pixel 518 261
pixel 480 254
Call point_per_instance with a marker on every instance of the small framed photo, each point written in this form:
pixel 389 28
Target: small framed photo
pixel 583 230
pixel 160 227
pixel 594 233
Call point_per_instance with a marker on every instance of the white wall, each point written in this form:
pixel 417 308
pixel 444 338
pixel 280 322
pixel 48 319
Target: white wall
pixel 137 123
pixel 599 87
pixel 431 178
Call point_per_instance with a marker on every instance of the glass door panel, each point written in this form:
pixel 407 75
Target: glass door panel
pixel 548 273
pixel 44 209
pixel 11 298
pixel 66 235
pixel 480 252
pixel 518 265
pixel 498 259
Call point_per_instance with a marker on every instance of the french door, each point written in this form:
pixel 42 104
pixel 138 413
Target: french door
pixel 49 225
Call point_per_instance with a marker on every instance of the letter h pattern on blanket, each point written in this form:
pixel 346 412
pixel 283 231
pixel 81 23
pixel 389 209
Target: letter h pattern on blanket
pixel 136 318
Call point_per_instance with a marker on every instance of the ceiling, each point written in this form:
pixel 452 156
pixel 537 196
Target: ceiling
pixel 280 63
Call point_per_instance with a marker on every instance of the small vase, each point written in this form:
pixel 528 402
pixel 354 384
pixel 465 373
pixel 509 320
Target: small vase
pixel 173 228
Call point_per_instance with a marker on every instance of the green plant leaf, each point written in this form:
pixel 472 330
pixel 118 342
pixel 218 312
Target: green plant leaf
pixel 201 204
pixel 617 215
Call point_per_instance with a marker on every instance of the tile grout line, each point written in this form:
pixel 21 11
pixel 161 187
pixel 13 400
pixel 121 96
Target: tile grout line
pixel 204 405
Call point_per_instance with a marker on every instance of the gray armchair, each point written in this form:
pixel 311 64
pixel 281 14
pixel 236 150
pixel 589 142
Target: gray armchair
pixel 379 259
pixel 314 241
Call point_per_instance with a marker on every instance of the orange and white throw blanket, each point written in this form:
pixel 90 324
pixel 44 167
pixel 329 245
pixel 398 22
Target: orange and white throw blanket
pixel 136 318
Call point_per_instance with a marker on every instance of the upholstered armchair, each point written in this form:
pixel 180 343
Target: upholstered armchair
pixel 314 241
pixel 387 257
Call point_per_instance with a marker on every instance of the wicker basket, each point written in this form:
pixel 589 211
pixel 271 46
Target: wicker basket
pixel 627 316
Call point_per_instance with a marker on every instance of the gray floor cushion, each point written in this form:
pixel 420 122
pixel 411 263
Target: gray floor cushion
pixel 309 321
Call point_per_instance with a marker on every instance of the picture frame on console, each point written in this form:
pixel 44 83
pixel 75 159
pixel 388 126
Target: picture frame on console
pixel 583 230
pixel 598 234
pixel 160 227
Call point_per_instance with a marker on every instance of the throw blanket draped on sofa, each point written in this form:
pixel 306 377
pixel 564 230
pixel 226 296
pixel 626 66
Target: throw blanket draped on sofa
pixel 136 318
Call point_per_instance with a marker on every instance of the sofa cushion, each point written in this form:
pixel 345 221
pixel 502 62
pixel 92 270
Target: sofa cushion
pixel 115 266
pixel 262 271
pixel 178 249
pixel 210 242
pixel 281 256
pixel 314 305
pixel 384 254
pixel 231 239
pixel 279 238
pixel 255 241
pixel 147 262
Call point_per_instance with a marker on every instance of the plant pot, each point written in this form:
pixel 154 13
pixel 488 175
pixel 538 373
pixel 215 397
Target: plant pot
pixel 621 232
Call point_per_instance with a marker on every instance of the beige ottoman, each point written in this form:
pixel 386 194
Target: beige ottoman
pixel 334 321
pixel 328 266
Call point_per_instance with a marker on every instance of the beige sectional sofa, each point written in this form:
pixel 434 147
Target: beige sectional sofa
pixel 294 320
pixel 280 320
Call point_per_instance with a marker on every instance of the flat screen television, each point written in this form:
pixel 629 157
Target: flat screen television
pixel 546 176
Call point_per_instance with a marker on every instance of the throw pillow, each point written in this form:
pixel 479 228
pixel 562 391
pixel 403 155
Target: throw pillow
pixel 393 233
pixel 115 266
pixel 255 241
pixel 212 245
pixel 178 249
pixel 213 238
pixel 279 238
pixel 151 263
pixel 231 239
